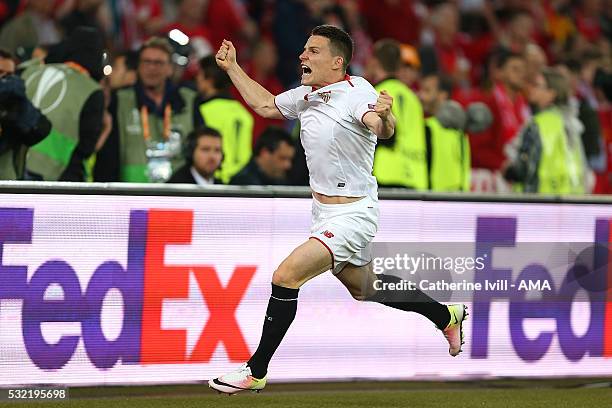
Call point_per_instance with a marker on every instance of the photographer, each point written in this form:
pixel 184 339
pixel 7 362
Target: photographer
pixel 21 124
pixel 550 157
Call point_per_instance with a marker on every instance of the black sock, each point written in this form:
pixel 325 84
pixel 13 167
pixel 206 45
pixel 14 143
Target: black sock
pixel 412 301
pixel 279 315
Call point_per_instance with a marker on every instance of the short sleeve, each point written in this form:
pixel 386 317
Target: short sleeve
pixel 286 103
pixel 362 101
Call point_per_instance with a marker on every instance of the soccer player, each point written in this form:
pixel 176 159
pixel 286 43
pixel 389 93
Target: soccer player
pixel 341 118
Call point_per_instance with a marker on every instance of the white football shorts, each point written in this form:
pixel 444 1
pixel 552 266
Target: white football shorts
pixel 346 230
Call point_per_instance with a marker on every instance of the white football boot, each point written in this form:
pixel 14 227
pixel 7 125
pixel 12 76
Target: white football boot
pixel 236 381
pixel 454 331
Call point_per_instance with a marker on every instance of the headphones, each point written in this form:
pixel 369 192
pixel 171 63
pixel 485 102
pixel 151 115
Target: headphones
pixel 190 145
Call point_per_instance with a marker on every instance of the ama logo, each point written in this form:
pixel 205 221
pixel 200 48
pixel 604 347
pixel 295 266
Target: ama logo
pixel 144 283
pixel 500 232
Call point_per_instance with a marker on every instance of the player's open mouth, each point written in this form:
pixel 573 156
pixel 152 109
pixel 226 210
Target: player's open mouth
pixel 306 70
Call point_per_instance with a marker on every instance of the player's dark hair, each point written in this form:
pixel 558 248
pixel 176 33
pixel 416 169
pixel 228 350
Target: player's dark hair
pixel 270 139
pixel 221 81
pixel 340 42
pixel 191 141
pixel 389 54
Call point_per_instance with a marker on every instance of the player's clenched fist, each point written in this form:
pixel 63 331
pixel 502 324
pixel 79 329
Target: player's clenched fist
pixel 383 105
pixel 226 56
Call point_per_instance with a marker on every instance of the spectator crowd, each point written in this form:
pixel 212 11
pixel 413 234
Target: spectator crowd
pixel 489 96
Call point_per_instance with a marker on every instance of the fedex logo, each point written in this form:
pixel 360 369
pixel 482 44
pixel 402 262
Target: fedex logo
pixel 144 284
pixel 492 232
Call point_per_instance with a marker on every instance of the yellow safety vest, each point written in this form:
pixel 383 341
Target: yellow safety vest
pixel 450 164
pixel 235 124
pixel 560 169
pixel 404 163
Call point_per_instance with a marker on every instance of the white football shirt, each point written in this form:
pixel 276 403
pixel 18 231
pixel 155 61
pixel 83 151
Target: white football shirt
pixel 339 147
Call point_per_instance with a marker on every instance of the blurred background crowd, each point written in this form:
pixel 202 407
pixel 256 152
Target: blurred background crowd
pixel 490 96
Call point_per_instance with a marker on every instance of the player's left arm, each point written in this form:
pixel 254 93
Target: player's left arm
pixel 381 120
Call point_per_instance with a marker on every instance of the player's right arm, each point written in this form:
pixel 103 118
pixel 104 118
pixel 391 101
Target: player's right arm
pixel 258 97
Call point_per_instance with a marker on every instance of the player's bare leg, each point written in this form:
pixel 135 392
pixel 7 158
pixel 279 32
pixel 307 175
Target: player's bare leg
pixel 305 262
pixel 359 280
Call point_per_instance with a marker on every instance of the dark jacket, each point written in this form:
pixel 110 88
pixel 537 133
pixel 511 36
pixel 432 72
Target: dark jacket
pixel 85 47
pixel 21 125
pixel 90 127
pixel 524 168
pixel 252 175
pixel 183 176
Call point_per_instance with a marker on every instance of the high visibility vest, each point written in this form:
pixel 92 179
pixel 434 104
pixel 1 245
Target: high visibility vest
pixel 404 163
pixel 60 92
pixel 450 158
pixel 576 165
pixel 132 144
pixel 560 169
pixel 235 124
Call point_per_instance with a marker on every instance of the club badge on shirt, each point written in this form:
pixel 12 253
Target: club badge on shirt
pixel 325 95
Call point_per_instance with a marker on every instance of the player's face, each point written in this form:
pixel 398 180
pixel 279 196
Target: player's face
pixel 319 66
pixel 207 155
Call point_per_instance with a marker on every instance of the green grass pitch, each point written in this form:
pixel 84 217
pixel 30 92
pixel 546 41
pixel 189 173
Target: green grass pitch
pixel 569 393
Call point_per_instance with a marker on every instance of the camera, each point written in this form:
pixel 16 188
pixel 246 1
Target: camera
pixel 12 96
